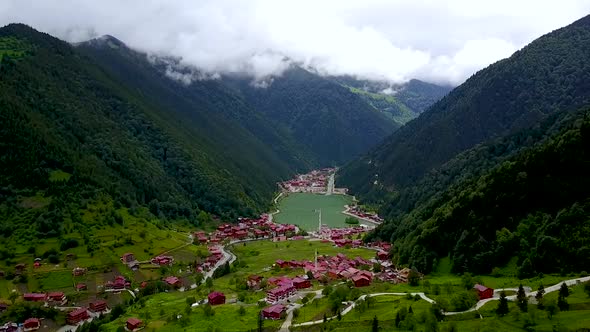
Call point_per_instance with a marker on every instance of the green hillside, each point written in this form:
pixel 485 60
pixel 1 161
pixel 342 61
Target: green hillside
pixel 71 133
pixel 389 105
pixel 531 204
pixel 522 194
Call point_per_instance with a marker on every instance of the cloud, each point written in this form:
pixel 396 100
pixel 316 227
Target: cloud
pixel 441 41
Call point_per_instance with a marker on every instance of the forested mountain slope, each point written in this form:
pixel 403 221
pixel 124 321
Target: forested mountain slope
pixel 524 196
pixel 332 122
pixel 207 104
pixel 70 133
pixel 550 74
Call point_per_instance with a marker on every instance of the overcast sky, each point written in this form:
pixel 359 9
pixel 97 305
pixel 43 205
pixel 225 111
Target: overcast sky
pixel 434 40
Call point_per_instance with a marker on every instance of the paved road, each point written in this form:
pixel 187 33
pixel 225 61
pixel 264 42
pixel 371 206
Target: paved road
pixel 330 189
pixel 346 208
pixel 549 289
pixel 227 257
pixel 479 304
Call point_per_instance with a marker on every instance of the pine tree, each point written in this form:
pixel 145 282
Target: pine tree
pixel 339 317
pixel 375 326
pixel 564 292
pixel 397 319
pixel 410 311
pixel 522 300
pixel 502 305
pixel 260 322
pixel 539 296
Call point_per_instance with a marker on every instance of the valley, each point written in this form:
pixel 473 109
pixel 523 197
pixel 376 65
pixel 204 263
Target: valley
pixel 170 273
pixel 148 188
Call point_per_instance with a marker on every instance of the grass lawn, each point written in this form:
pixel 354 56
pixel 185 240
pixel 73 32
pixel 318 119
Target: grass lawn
pixel 160 313
pixel 299 209
pixel 386 307
pixel 56 280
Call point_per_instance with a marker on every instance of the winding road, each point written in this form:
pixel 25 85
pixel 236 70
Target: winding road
pixel 553 288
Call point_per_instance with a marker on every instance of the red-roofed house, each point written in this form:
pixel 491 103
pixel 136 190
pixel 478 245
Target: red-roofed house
pixel 361 280
pixel 58 297
pixel 484 292
pixel 77 316
pixel 173 281
pixel 282 264
pixel 162 260
pixel 35 297
pixel 98 306
pixel 280 293
pixel 301 283
pixel 382 255
pixel 133 324
pixel 81 286
pixel 254 281
pixel 127 258
pixel 216 298
pixel 274 312
pixel 32 324
pixel 78 271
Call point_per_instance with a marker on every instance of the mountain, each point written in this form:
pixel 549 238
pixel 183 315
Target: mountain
pixel 157 79
pixel 332 122
pixel 75 135
pixel 495 171
pixel 525 196
pixel 401 102
pixel 550 74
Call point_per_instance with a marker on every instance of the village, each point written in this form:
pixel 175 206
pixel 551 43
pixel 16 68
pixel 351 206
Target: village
pixel 278 290
pixel 275 285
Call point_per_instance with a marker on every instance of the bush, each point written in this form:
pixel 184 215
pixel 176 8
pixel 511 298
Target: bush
pixel 53 259
pixel 463 300
pixel 241 311
pixel 496 272
pixel 68 244
pixel 351 221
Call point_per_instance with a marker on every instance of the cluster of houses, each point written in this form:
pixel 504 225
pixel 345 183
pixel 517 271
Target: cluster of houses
pixel 30 324
pixel 335 267
pixel 51 298
pixel 358 212
pixel 315 182
pixel 74 317
pixel 341 233
pixel 246 228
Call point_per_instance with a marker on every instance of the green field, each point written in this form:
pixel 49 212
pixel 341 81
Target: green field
pixel 299 209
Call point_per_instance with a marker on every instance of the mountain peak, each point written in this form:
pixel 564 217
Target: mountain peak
pixel 105 40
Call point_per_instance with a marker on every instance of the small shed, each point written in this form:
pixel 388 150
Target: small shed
pixel 484 292
pixel 133 324
pixel 216 298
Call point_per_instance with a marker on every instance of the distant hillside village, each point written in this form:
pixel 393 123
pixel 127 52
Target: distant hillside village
pixel 316 181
